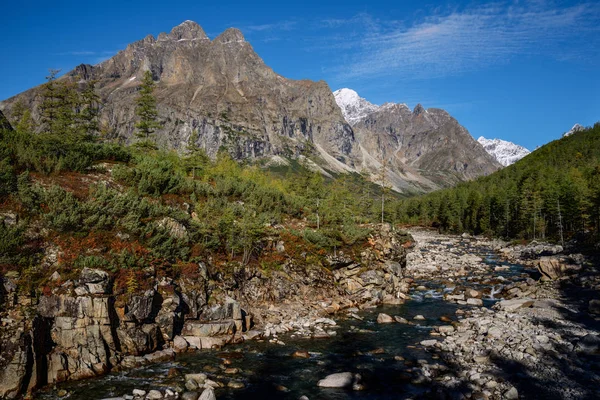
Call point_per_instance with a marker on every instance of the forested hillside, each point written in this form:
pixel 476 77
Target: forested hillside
pixel 118 208
pixel 552 193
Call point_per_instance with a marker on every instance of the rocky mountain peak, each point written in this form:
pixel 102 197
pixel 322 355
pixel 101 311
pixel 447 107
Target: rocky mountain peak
pixel 419 109
pixel 354 108
pixel 505 152
pixel 230 35
pixel 188 30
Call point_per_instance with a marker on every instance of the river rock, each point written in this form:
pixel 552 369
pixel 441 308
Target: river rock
pixel 180 345
pixel 208 394
pixel 338 380
pixel 429 343
pixel 154 395
pixel 198 378
pixel 301 354
pixel 551 268
pixel 513 305
pixel 190 396
pixel 419 318
pixel 511 394
pixel 474 302
pixel 236 385
pixel 446 329
pixel 384 319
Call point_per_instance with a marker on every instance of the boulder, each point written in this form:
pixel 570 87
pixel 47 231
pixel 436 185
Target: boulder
pixel 513 305
pixel 384 319
pixel 475 302
pixel 549 267
pixel 338 380
pixel 208 394
pixel 180 345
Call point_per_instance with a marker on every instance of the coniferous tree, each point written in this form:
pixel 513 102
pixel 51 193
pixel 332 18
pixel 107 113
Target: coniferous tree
pixel 90 110
pixel 146 111
pixel 22 117
pixel 60 100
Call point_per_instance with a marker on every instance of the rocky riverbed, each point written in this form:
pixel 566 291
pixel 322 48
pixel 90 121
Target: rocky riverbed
pixel 539 341
pixel 465 318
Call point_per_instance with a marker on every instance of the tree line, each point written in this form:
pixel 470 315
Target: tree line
pixel 553 193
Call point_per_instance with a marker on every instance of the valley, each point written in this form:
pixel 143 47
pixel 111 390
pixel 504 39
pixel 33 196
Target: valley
pixel 180 221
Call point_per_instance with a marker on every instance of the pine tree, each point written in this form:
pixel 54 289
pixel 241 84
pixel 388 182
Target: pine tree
pixel 146 110
pixel 22 117
pixel 90 110
pixel 58 108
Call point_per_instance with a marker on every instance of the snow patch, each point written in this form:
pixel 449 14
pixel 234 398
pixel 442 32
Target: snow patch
pixel 354 108
pixel 576 128
pixel 505 152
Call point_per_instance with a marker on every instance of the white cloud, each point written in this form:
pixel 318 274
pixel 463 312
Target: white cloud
pixel 459 41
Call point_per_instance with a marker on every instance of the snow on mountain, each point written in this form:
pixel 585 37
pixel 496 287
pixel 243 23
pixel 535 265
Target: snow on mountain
pixel 353 107
pixel 574 129
pixel 505 152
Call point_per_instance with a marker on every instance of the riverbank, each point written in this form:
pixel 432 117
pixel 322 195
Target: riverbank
pixel 478 321
pixel 540 342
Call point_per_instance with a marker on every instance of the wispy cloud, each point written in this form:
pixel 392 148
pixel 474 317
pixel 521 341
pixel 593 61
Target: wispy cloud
pixel 276 26
pixel 459 41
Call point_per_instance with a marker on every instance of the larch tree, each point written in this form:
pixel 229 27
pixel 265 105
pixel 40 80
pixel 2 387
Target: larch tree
pixel 146 111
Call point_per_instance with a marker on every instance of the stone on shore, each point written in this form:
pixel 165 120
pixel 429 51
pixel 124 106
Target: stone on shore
pixel 513 305
pixel 475 302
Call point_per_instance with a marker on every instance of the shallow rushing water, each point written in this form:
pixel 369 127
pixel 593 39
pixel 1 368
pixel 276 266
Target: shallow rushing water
pixel 265 367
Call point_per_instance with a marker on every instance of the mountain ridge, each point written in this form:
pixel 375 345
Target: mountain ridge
pixel 223 91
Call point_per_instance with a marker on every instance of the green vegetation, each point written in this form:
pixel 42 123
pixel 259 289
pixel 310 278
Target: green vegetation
pixel 554 193
pixel 124 209
pixel 147 112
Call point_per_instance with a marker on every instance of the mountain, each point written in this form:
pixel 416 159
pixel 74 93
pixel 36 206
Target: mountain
pixel 576 128
pixel 428 147
pixel 505 152
pixel 222 90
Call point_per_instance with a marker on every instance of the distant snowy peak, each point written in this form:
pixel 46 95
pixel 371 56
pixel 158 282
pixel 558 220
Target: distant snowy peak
pixel 574 129
pixel 505 152
pixel 354 108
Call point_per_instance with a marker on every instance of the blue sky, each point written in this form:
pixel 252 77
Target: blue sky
pixel 520 71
